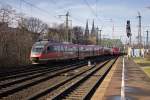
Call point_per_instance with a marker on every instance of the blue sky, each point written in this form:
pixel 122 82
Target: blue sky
pixel 81 10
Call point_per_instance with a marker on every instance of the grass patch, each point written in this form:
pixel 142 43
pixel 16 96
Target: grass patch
pixel 140 60
pixel 144 63
pixel 147 70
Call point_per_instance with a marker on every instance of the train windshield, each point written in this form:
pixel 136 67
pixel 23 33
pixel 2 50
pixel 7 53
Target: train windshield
pixel 37 49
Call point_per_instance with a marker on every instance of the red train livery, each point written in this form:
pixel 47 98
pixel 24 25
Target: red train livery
pixel 43 51
pixel 115 51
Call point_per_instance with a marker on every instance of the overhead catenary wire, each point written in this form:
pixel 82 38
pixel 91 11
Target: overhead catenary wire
pixel 92 10
pixel 60 7
pixel 31 9
pixel 54 2
pixel 45 11
pixel 42 10
pixel 34 6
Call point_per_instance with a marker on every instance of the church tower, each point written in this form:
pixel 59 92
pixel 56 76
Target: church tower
pixel 93 31
pixel 86 34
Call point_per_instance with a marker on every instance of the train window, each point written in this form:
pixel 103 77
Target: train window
pixel 81 48
pixel 58 48
pixel 87 49
pixel 37 49
pixel 74 49
pixel 69 49
pixel 55 48
pixel 66 49
pixel 61 48
pixel 50 48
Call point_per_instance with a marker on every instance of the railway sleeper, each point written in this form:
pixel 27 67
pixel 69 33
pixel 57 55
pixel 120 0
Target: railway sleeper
pixel 82 82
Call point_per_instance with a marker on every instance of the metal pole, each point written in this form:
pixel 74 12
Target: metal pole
pixel 130 41
pixel 139 31
pixel 70 33
pixel 100 37
pixel 97 36
pixel 67 33
pixel 139 34
pixel 147 39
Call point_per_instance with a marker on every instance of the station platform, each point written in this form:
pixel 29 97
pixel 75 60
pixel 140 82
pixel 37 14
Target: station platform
pixel 125 81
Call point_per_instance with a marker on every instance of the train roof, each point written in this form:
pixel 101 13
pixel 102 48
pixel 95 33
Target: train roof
pixel 41 43
pixel 47 42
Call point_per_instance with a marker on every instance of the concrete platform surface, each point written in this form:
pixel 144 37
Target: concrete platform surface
pixel 126 83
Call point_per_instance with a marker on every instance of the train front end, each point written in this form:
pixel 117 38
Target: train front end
pixel 115 51
pixel 37 52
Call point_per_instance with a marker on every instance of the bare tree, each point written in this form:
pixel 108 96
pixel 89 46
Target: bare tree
pixel 7 14
pixel 78 35
pixel 6 17
pixel 34 25
pixel 15 43
pixel 57 32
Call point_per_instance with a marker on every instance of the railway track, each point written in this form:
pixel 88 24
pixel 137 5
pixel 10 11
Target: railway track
pixel 29 76
pixel 34 86
pixel 64 88
pixel 9 87
pixel 18 70
pixel 84 88
pixel 40 71
pixel 32 69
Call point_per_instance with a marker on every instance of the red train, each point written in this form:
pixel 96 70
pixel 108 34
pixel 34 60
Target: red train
pixel 43 51
pixel 115 51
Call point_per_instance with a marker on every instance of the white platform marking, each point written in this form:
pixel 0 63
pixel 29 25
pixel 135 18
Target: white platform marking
pixel 123 83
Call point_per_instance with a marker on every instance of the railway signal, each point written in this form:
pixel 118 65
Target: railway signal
pixel 128 31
